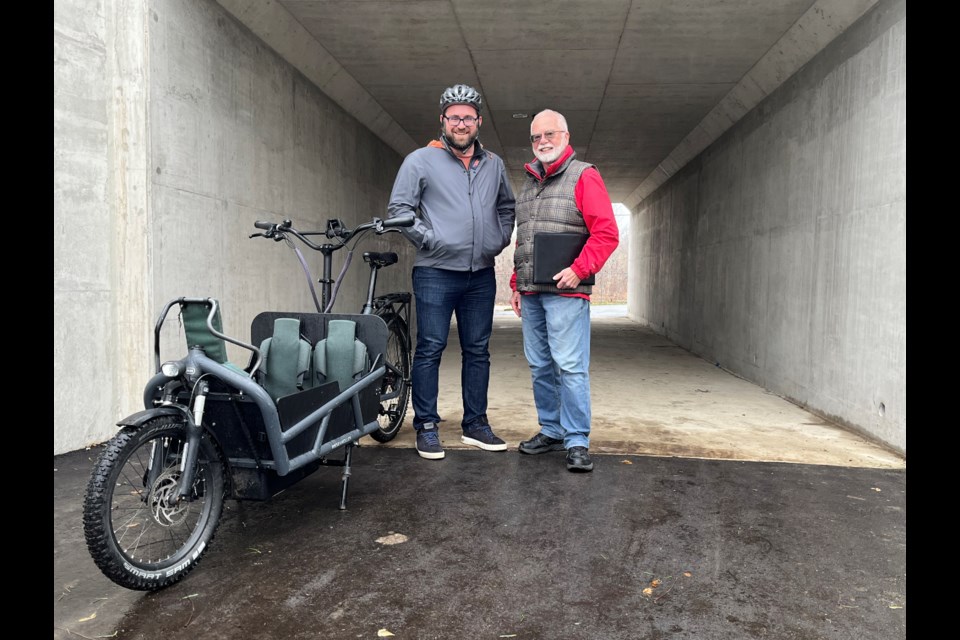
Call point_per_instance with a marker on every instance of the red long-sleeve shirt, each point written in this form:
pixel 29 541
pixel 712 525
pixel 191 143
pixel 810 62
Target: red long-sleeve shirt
pixel 593 201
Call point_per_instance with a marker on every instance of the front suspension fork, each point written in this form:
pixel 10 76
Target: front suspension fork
pixel 191 448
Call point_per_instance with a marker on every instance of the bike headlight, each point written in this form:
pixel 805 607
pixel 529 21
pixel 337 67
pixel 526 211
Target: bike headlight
pixel 171 369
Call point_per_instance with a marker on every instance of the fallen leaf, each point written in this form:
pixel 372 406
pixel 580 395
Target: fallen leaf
pixel 895 606
pixel 253 550
pixel 625 462
pixel 687 574
pixel 655 582
pixel 393 538
pixel 383 633
pixel 875 488
pixel 89 617
pixel 192 595
pixel 648 591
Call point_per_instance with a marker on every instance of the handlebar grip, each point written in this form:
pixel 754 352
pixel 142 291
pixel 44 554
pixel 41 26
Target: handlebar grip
pixel 260 224
pixel 406 220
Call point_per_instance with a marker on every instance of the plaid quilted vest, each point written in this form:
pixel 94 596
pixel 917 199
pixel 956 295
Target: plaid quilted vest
pixel 549 206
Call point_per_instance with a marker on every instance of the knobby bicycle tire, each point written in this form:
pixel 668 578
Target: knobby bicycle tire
pixel 395 389
pixel 138 533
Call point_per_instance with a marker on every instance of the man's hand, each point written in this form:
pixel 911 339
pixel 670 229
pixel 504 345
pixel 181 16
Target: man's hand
pixel 515 302
pixel 567 279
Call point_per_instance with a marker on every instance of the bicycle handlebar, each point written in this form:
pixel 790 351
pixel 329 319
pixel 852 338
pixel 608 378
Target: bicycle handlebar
pixel 335 229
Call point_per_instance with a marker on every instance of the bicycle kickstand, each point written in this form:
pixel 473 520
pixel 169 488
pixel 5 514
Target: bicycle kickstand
pixel 346 475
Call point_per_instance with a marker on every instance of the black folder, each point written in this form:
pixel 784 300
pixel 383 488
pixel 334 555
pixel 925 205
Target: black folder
pixel 554 252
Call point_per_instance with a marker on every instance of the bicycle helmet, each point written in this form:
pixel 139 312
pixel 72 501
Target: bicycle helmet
pixel 460 94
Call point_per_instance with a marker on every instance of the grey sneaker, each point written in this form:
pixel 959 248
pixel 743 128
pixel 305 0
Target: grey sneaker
pixel 481 435
pixel 428 442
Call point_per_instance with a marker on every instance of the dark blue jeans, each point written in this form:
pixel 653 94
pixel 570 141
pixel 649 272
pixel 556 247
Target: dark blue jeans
pixel 440 294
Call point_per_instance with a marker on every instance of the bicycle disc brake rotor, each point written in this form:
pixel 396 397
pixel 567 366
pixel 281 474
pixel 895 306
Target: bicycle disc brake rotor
pixel 167 507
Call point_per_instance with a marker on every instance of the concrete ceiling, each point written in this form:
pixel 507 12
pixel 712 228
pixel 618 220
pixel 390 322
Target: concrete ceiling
pixel 645 84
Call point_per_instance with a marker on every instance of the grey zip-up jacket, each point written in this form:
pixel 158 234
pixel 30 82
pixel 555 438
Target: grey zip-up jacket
pixel 465 216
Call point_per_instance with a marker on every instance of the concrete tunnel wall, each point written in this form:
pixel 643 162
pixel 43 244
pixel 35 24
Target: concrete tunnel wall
pixel 174 130
pixel 85 210
pixel 780 252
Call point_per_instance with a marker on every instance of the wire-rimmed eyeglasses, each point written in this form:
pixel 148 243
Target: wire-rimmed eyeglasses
pixel 549 135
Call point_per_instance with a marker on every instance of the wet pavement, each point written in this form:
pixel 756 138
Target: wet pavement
pixel 501 545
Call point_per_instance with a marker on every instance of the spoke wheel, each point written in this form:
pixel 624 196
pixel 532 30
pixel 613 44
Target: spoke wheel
pixel 395 389
pixel 139 531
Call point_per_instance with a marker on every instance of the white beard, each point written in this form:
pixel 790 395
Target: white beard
pixel 549 157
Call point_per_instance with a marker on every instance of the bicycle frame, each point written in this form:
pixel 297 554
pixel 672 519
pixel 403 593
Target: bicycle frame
pixel 198 365
pixel 390 306
pixel 210 429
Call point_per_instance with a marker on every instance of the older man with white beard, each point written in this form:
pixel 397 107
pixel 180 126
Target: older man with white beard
pixel 560 195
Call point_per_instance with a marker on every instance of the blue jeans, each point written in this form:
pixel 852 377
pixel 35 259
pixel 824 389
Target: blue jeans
pixel 440 294
pixel 556 341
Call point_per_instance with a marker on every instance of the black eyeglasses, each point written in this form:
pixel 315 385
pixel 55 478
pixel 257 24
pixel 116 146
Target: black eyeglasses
pixel 456 120
pixel 549 135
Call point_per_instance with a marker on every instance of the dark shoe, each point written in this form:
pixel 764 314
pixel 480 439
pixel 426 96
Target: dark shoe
pixel 481 435
pixel 578 459
pixel 428 442
pixel 541 444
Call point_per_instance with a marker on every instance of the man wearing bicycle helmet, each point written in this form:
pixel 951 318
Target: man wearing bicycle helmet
pixel 465 214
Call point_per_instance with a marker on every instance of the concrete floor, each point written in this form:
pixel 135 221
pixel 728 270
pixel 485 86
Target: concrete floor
pixel 742 514
pixel 650 397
